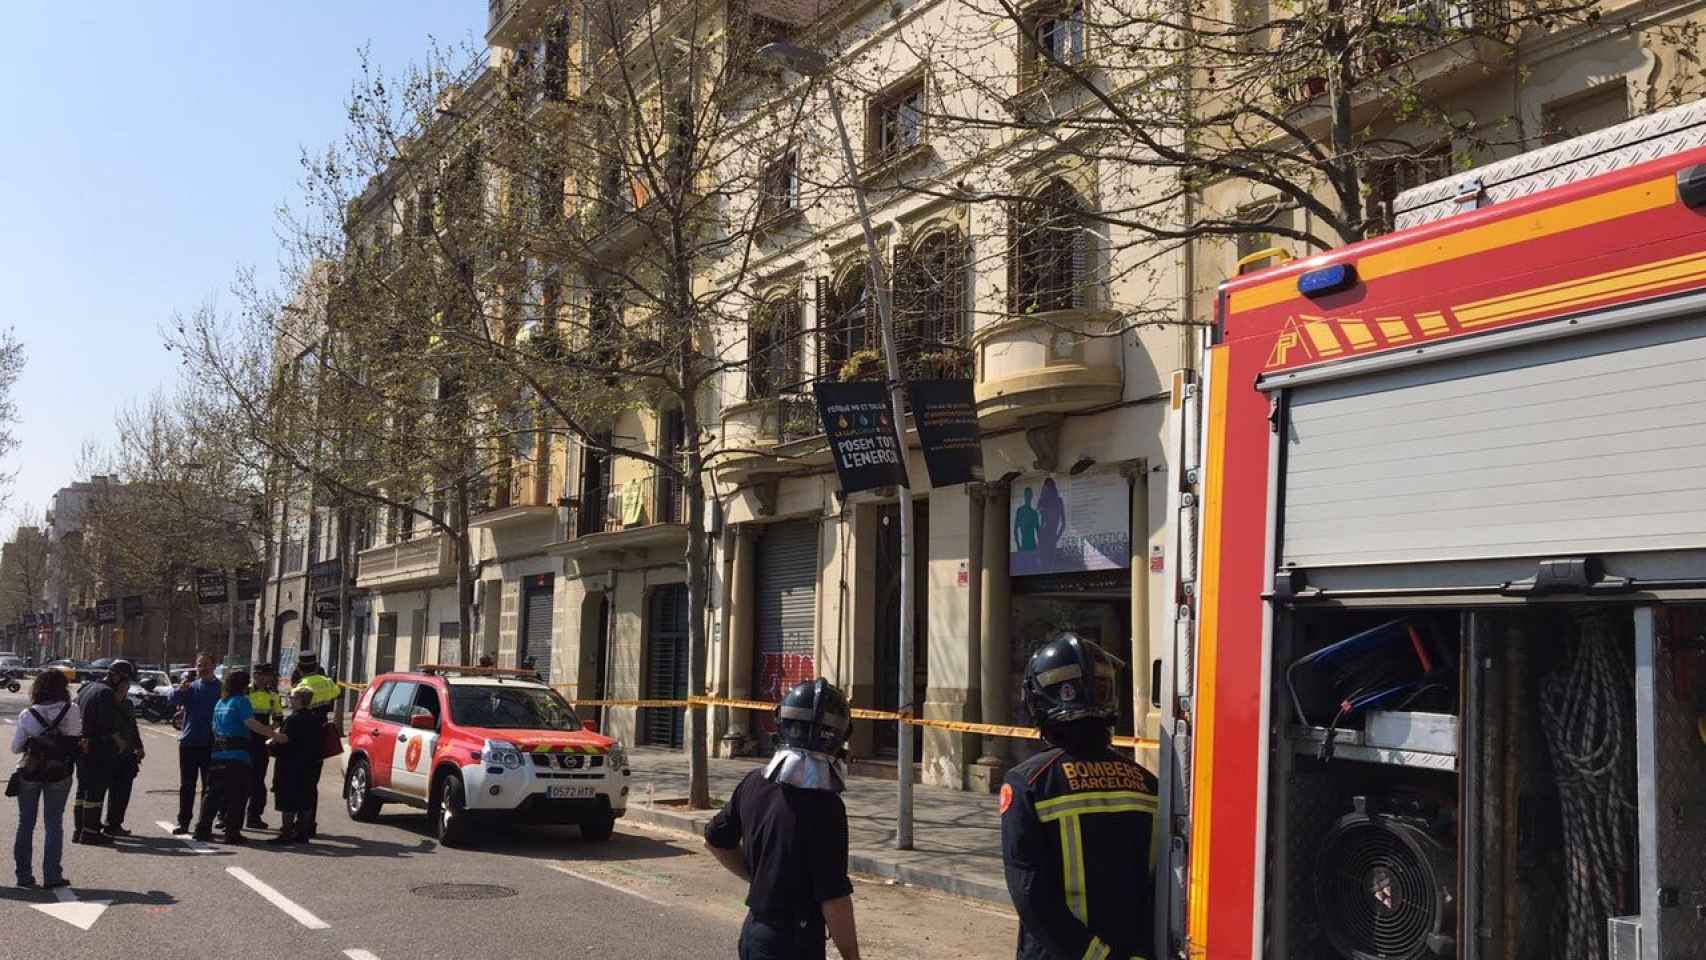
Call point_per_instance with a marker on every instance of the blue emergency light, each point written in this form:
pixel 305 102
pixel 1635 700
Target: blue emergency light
pixel 1319 283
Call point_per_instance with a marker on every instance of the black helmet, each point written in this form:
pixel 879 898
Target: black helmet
pixel 814 716
pixel 122 666
pixel 1070 678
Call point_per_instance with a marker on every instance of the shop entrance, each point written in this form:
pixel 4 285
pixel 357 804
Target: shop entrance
pixel 887 679
pixel 666 665
pixel 1096 606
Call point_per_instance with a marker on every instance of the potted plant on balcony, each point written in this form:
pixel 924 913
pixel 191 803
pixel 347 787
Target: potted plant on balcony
pixel 946 364
pixel 863 365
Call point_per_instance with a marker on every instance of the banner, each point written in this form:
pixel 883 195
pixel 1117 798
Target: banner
pixel 106 611
pixel 1064 524
pixel 249 583
pixel 210 588
pixel 133 607
pixel 858 423
pixel 326 608
pixel 945 412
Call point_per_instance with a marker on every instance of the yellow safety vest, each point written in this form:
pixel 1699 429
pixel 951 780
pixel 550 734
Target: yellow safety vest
pixel 324 687
pixel 266 703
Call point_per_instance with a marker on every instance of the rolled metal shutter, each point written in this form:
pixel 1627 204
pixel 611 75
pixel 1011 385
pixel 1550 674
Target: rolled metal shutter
pixel 1594 444
pixel 786 608
pixel 536 641
pixel 666 666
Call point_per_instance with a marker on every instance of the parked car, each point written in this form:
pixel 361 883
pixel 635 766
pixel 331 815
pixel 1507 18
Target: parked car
pixel 12 672
pixel 150 693
pixel 76 671
pixel 467 748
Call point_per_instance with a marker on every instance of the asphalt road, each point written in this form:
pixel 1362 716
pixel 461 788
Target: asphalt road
pixel 374 892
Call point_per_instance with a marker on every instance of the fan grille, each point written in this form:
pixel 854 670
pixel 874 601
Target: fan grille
pixel 1379 889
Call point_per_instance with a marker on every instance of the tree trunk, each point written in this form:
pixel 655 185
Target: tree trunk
pixel 275 641
pixel 262 647
pixel 1347 183
pixel 698 786
pixel 343 666
pixel 464 575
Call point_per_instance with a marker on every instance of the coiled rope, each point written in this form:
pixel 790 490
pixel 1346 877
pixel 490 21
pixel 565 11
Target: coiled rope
pixel 1587 709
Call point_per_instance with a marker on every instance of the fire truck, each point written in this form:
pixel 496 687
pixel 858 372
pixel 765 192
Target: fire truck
pixel 1440 607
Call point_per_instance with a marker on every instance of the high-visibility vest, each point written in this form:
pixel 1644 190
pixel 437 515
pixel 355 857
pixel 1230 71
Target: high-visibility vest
pixel 324 687
pixel 268 705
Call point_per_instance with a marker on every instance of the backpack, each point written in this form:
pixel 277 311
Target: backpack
pixel 48 756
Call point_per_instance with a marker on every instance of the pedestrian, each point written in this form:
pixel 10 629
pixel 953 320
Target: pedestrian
pixel 99 751
pixel 196 697
pixel 296 776
pixel 325 696
pixel 46 735
pixel 228 773
pixel 269 711
pixel 486 661
pixel 785 828
pixel 1077 820
pixel 128 737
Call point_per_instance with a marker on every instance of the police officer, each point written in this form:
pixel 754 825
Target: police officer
pixel 99 756
pixel 269 710
pixel 785 830
pixel 1077 819
pixel 309 674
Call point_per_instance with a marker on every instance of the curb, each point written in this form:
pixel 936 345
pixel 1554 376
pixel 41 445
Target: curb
pixel 857 861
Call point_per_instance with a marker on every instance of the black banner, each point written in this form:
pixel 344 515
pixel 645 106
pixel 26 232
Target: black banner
pixel 133 607
pixel 106 611
pixel 860 427
pixel 210 588
pixel 945 412
pixel 326 608
pixel 249 583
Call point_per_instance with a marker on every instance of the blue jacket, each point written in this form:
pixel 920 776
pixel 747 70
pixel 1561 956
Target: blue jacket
pixel 198 704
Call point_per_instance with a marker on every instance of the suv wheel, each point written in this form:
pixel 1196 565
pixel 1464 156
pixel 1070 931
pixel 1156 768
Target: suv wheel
pixel 359 800
pixel 449 811
pixel 598 830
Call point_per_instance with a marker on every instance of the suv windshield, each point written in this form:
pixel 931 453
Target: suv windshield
pixel 511 708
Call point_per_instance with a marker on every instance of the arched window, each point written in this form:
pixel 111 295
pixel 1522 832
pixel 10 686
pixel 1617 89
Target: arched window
pixel 847 319
pixel 930 294
pixel 1048 257
pixel 773 364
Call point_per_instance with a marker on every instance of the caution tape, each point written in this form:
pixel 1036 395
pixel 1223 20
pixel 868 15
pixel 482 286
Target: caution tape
pixel 859 713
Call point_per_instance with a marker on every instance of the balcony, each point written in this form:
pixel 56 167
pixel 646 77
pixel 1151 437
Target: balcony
pixel 644 512
pixel 770 435
pixel 409 563
pixel 510 23
pixel 1054 362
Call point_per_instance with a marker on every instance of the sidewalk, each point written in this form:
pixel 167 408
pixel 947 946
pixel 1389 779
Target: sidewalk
pixel 956 835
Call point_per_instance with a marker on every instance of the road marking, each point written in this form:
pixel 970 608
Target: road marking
pixel 279 900
pixel 359 955
pixel 606 884
pixel 195 845
pixel 81 914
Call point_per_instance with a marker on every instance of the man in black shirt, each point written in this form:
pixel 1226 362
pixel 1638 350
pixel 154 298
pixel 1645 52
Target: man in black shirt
pixel 1077 821
pixel 99 757
pixel 785 831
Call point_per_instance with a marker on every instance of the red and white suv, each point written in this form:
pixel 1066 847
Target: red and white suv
pixel 466 747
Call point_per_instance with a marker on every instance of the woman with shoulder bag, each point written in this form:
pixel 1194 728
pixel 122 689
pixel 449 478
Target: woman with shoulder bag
pixel 46 735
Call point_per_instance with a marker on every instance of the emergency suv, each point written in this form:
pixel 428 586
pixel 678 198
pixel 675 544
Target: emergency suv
pixel 480 744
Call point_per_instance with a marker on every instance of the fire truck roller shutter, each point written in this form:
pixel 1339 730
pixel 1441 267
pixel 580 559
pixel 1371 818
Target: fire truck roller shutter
pixel 1585 445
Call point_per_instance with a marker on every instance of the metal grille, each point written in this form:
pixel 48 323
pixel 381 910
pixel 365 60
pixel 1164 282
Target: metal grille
pixel 786 602
pixel 536 629
pixel 666 665
pixel 1674 823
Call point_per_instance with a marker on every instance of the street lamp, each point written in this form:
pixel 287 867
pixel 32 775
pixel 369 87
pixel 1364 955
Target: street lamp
pixel 814 64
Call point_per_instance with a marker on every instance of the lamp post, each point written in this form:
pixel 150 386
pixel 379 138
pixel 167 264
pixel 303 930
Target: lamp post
pixel 812 63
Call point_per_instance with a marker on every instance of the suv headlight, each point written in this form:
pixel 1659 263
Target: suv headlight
pixel 500 752
pixel 615 758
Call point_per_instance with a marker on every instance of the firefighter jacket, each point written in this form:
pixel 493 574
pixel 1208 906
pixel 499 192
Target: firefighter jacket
pixel 1078 837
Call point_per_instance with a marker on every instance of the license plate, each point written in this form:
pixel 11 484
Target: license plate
pixel 564 791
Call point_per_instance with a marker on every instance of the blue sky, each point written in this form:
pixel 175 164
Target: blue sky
pixel 144 150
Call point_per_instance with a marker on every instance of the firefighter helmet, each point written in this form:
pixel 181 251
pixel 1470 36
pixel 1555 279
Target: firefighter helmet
pixel 814 716
pixel 1070 678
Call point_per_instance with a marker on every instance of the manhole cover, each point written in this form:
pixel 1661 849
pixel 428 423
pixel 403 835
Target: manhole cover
pixel 463 891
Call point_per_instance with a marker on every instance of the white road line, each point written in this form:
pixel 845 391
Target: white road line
pixel 359 955
pixel 610 886
pixel 279 900
pixel 195 845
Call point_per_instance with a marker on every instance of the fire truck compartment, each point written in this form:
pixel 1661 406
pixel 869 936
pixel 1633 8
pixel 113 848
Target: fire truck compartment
pixel 1462 780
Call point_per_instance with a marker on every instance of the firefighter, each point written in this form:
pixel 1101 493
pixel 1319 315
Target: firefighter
pixel 99 755
pixel 269 710
pixel 1077 819
pixel 785 830
pixel 309 674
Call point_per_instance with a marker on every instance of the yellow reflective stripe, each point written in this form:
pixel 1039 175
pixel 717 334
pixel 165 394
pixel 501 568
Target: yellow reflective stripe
pixel 1097 950
pixel 1108 801
pixel 1072 865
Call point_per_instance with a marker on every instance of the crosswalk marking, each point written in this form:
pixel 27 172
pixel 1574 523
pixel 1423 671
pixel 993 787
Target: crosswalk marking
pixel 196 846
pixel 291 908
pixel 359 955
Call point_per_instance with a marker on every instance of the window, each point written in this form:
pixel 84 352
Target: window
pixel 1055 35
pixel 424 208
pixel 847 319
pixel 1251 18
pixel 1387 178
pixel 510 708
pixel 781 189
pixel 1259 215
pixel 550 196
pixel 1603 106
pixel 895 124
pixel 929 294
pixel 1049 252
pixel 401 702
pixel 773 348
pixel 603 319
pixel 376 705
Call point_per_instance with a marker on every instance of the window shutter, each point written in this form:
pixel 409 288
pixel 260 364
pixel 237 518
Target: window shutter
pixel 826 326
pixel 792 344
pixel 953 284
pixel 1081 278
pixel 1014 251
pixel 756 354
pixel 903 310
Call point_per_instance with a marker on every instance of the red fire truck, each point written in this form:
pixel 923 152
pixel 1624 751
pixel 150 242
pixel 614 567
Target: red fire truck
pixel 1441 605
